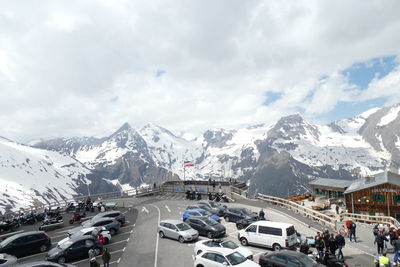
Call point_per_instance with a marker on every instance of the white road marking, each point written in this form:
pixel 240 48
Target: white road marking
pixel 114 243
pixel 87 260
pixel 119 259
pixel 159 218
pixel 123 250
pixel 167 208
pixel 145 210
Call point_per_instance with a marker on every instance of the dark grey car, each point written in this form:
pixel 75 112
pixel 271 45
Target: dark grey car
pixel 206 226
pixel 118 215
pixel 216 207
pixel 45 263
pixel 111 224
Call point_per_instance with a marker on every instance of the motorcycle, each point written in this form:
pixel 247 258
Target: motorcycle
pixel 77 217
pixel 28 219
pixel 9 225
pixel 48 220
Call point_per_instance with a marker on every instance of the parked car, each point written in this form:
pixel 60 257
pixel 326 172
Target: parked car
pixel 88 231
pixel 234 214
pixel 275 235
pixel 243 223
pixel 7 260
pixel 203 207
pixel 208 244
pixel 118 215
pixel 26 243
pixel 44 264
pixel 177 230
pixel 199 212
pixel 206 226
pixel 215 206
pixel 110 224
pixel 75 248
pixel 310 239
pixel 222 257
pixel 287 258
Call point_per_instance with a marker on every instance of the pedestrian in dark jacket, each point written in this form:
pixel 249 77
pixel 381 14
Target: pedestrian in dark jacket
pixel 106 258
pixel 380 241
pixel 340 242
pixel 320 246
pixel 352 229
pixel 304 247
pixel 332 244
pixel 261 214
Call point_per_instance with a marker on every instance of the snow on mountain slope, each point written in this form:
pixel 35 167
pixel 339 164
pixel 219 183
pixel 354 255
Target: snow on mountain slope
pixel 29 175
pixel 391 115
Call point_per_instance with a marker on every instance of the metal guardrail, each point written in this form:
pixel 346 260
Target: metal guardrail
pixel 315 215
pixel 364 218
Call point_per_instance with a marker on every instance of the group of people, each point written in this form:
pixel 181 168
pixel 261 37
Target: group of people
pixel 326 244
pixel 386 234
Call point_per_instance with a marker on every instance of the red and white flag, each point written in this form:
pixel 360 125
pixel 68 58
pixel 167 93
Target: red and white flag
pixel 188 163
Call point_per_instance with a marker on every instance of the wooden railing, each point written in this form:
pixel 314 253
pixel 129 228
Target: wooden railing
pixel 364 218
pixel 293 206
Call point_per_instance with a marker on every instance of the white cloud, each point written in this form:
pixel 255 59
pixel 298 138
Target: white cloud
pixel 85 67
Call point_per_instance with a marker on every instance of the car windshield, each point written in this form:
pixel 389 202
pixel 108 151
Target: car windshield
pixel 246 212
pixel 307 261
pixel 210 222
pixel 229 244
pixel 207 208
pixel 205 213
pixel 235 258
pixel 214 205
pixel 65 245
pixel 183 226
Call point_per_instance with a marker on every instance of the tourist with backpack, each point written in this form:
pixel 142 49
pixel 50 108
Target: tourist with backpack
pixel 352 231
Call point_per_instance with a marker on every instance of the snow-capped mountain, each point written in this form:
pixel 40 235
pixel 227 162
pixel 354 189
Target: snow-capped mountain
pixel 30 175
pixel 278 158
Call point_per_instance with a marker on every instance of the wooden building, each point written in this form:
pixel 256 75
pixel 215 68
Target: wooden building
pixel 375 195
pixel 330 188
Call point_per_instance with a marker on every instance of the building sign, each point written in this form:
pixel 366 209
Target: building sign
pixel 386 190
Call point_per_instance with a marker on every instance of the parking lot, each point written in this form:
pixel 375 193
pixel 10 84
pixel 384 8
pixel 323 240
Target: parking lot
pixel 116 247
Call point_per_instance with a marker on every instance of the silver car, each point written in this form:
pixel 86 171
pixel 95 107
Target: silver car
pixel 177 230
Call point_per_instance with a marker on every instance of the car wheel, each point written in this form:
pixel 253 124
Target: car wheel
pixel 199 265
pixel 181 239
pixel 276 247
pixel 226 218
pixel 161 234
pixel 112 231
pixel 198 252
pixel 61 260
pixel 239 226
pixel 209 235
pixel 244 241
pixel 106 241
pixel 43 248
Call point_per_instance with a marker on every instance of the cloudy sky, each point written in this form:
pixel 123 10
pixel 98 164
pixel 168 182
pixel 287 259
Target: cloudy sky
pixel 74 68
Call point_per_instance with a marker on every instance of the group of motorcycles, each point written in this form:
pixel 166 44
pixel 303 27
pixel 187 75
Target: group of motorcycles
pixel 46 217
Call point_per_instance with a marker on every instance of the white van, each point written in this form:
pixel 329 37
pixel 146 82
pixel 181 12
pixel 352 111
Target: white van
pixel 275 235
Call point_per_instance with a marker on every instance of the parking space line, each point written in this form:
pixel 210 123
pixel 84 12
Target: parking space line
pixel 159 218
pixel 114 243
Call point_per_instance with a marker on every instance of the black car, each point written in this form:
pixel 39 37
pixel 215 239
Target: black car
pixel 26 243
pixel 44 264
pixel 286 258
pixel 206 226
pixel 119 216
pixel 75 248
pixel 234 214
pixel 243 223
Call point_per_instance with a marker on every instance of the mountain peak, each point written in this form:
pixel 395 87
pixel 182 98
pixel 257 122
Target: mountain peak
pixel 125 127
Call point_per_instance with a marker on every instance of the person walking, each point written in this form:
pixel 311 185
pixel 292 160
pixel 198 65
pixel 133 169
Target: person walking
pixel 94 263
pixel 92 254
pixel 380 241
pixel 337 209
pixel 340 243
pixel 106 257
pixel 353 231
pixel 320 246
pixel 262 214
pixel 332 244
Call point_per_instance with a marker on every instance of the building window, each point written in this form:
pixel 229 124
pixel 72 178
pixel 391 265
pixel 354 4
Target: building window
pixel 378 198
pixel 396 199
pixel 340 195
pixel 319 191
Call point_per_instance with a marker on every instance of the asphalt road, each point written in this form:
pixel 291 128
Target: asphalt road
pixel 138 244
pixel 145 248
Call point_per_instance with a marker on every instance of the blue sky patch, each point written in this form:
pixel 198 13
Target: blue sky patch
pixel 271 97
pixel 361 74
pixel 160 73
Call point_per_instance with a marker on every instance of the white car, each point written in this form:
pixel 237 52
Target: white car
pixel 88 231
pixel 222 257
pixel 208 244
